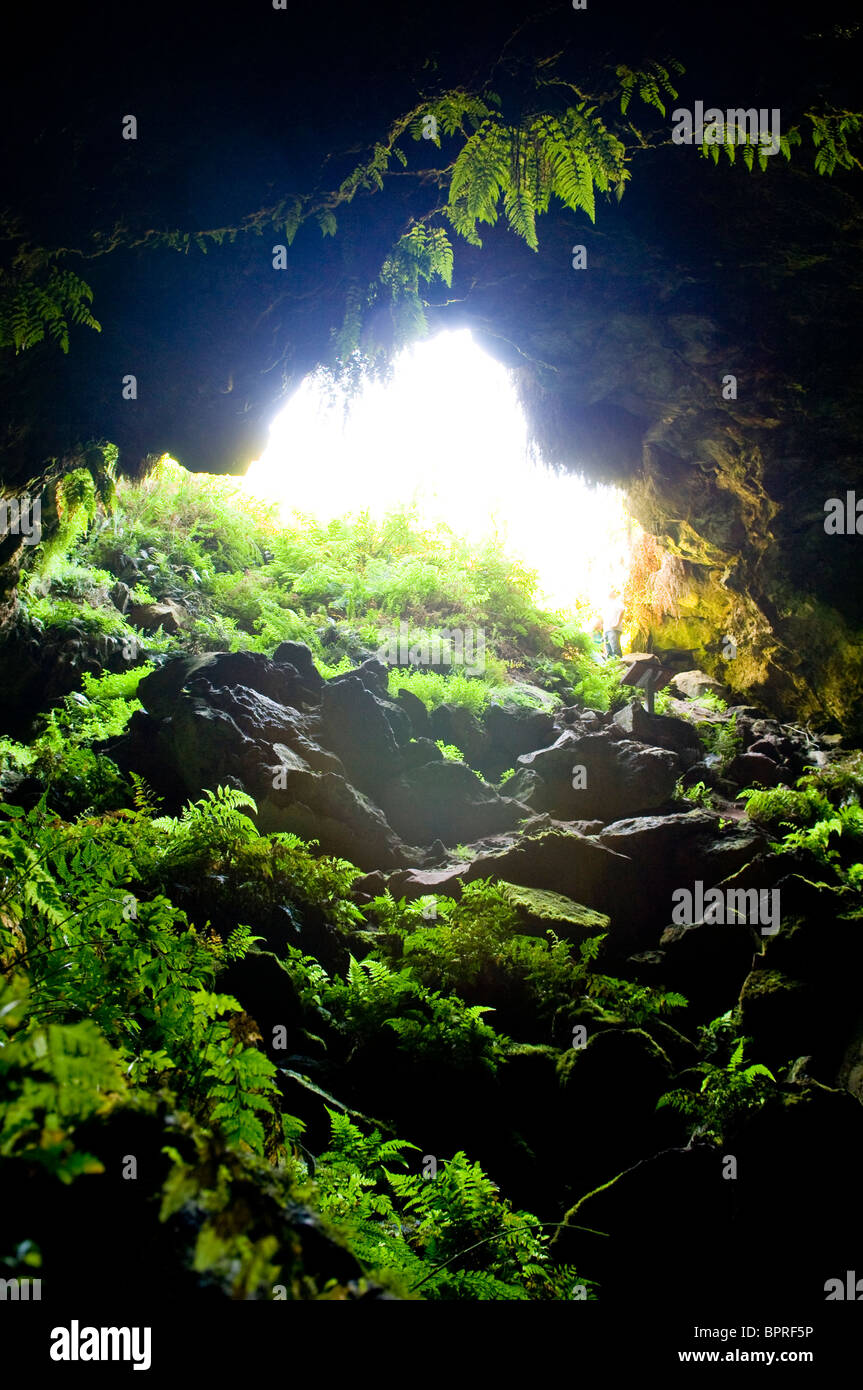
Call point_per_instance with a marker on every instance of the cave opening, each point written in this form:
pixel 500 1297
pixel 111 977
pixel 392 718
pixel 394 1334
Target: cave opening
pixel 445 435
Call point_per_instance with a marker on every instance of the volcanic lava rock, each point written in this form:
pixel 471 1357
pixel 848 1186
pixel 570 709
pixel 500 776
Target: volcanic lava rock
pixel 446 800
pixel 661 731
pixel 595 776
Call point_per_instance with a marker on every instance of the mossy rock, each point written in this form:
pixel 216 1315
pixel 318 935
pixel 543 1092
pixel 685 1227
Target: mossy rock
pixel 540 909
pixel 774 1013
pixel 761 985
pixel 516 1051
pixel 629 1050
pixel 587 1012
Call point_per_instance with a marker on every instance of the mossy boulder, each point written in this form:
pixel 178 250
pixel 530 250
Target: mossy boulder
pixel 540 910
pixel 773 1014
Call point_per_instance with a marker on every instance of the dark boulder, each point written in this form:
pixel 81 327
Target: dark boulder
pixel 597 777
pixel 540 910
pixel 238 737
pixel 159 691
pixel 267 722
pixel 661 731
pixel 824 1133
pixel 326 807
pixel 262 984
pixel 754 769
pixel 625 1062
pixel 167 615
pixel 447 800
pixel 357 725
pixel 557 859
pixel 526 786
pixel 421 751
pixel 515 729
pixel 672 852
pixel 298 655
pixel 707 963
pixel 690 685
pixel 119 594
pixel 456 725
pixel 802 995
pixel 416 713
pixel 372 673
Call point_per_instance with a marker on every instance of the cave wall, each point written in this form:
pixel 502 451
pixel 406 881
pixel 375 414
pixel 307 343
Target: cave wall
pixel 621 369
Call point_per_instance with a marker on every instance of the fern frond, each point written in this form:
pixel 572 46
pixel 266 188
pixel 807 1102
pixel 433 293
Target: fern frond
pixel 145 799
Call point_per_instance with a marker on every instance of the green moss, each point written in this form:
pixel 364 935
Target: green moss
pixel 539 908
pixel 781 806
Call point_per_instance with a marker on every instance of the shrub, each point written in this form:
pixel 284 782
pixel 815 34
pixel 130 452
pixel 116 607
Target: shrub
pixel 722 738
pixel 781 806
pixel 127 977
pixel 59 612
pixel 699 792
pixel 726 1094
pixel 452 1236
pixel 434 688
pixel 450 752
pixel 710 700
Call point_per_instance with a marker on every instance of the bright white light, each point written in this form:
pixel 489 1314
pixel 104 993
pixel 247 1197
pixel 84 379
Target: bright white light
pixel 445 433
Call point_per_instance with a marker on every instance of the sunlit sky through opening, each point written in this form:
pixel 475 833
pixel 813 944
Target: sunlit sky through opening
pixel 446 434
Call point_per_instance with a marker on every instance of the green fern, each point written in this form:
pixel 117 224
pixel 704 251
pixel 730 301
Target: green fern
pixel 26 883
pixel 447 1236
pixel 566 156
pixel 30 310
pixel 422 254
pixel 727 142
pixel 831 133
pixel 239 943
pixel 638 1003
pixel 242 1083
pixel 652 84
pixel 453 112
pixel 237 1084
pixel 145 800
pixel 52 1078
pixel 726 1094
pixel 214 822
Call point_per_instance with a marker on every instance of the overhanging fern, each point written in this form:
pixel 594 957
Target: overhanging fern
pixel 567 156
pixel 39 305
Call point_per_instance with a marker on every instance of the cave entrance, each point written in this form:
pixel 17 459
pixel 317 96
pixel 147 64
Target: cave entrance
pixel 445 433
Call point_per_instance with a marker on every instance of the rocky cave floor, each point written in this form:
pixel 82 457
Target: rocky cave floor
pixel 601 849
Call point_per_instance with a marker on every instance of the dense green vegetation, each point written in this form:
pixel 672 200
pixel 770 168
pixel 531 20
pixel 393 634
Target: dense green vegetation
pixel 242 582
pixel 344 588
pixel 125 933
pixel 110 998
pixel 822 818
